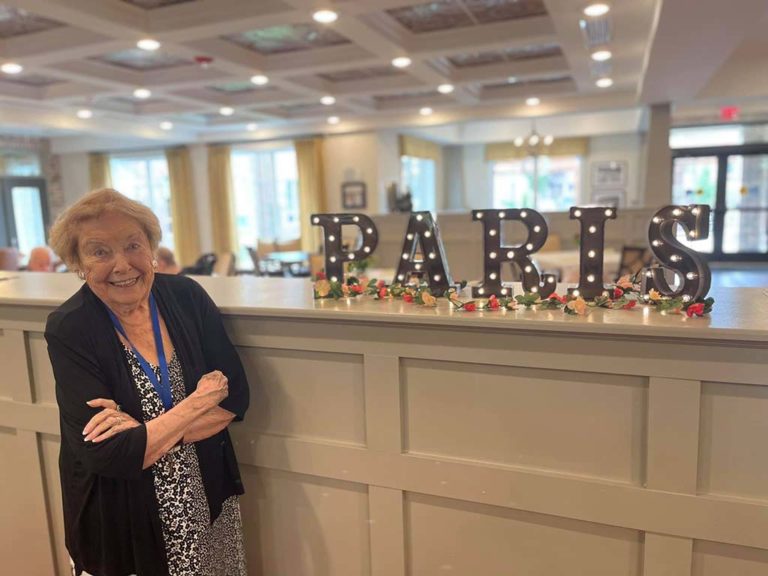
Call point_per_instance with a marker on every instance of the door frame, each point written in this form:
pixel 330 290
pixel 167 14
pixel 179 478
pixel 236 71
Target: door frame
pixel 8 183
pixel 718 212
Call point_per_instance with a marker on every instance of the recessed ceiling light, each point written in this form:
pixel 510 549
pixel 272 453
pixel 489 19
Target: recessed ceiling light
pixel 532 101
pixel 166 125
pixel 604 82
pixel 513 80
pixel 142 93
pixel 519 141
pixel 597 9
pixel 445 88
pixel 401 62
pixel 149 44
pixel 333 120
pixel 548 139
pixel 11 68
pixel 84 114
pixel 325 16
pixel 252 127
pixel 226 111
pixel 328 100
pixel 426 111
pixel 260 79
pixel 601 55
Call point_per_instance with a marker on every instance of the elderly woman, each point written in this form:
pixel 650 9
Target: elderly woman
pixel 147 382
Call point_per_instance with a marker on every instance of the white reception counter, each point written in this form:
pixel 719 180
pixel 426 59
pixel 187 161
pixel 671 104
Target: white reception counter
pixel 387 439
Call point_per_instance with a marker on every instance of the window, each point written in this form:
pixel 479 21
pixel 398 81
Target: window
pixel 19 163
pixel 417 176
pixel 266 193
pixel 144 178
pixel 544 183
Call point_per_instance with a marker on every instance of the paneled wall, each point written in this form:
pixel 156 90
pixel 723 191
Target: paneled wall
pixel 387 450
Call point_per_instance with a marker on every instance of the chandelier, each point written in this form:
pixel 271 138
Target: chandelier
pixel 534 144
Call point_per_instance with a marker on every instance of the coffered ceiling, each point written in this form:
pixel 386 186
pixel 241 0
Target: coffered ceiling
pixel 495 54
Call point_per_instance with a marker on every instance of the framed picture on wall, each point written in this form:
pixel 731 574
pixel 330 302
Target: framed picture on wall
pixel 612 198
pixel 353 195
pixel 609 174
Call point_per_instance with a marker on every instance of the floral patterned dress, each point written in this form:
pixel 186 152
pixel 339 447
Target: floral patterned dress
pixel 193 545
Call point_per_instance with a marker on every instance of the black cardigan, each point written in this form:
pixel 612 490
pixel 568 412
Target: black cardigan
pixel 111 520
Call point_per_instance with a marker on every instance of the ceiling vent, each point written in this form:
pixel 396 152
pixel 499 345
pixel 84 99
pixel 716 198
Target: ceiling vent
pixel 596 31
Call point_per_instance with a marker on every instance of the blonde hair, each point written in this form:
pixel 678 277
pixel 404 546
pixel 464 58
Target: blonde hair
pixel 65 231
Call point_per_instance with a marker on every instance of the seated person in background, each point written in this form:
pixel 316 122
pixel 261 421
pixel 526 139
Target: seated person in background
pixel 166 261
pixel 41 259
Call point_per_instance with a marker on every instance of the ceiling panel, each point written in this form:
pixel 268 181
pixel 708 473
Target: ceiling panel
pixel 361 74
pixel 290 38
pixel 17 22
pixel 405 96
pixel 137 59
pixel 541 81
pixel 433 16
pixel 488 11
pixel 36 80
pixel 151 4
pixel 469 60
pixel 451 14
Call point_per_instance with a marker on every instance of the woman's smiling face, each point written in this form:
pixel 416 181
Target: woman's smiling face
pixel 116 258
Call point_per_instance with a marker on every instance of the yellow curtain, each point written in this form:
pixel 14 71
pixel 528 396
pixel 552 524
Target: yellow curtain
pixel 222 208
pixel 418 148
pixel 309 158
pixel 183 207
pixel 101 175
pixel 560 147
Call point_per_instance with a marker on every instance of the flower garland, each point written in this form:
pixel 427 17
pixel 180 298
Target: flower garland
pixel 625 294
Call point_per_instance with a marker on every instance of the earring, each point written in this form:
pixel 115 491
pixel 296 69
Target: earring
pixel 154 264
pixel 80 274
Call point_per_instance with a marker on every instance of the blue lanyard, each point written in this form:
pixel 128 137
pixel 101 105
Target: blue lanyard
pixel 163 386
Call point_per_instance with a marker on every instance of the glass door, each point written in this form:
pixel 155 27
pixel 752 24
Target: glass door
pixel 745 226
pixel 25 214
pixel 733 181
pixel 694 181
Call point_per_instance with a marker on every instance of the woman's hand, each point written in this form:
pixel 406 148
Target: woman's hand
pixel 108 422
pixel 212 388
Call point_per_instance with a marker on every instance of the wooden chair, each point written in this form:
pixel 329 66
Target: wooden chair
pixel 261 267
pixel 225 264
pixel 290 246
pixel 9 259
pixel 634 259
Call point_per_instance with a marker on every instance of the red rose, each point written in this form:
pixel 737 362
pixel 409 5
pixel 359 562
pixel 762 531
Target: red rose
pixel 617 293
pixel 629 305
pixel 695 309
pixel 321 276
pixel 407 298
pixel 380 284
pixel 470 307
pixel 493 303
pixel 554 296
pixel 382 292
pixel 356 288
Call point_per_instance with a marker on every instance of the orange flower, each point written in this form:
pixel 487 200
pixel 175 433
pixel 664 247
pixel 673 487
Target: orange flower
pixel 345 289
pixel 654 295
pixel 624 283
pixel 579 306
pixel 428 299
pixel 323 288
